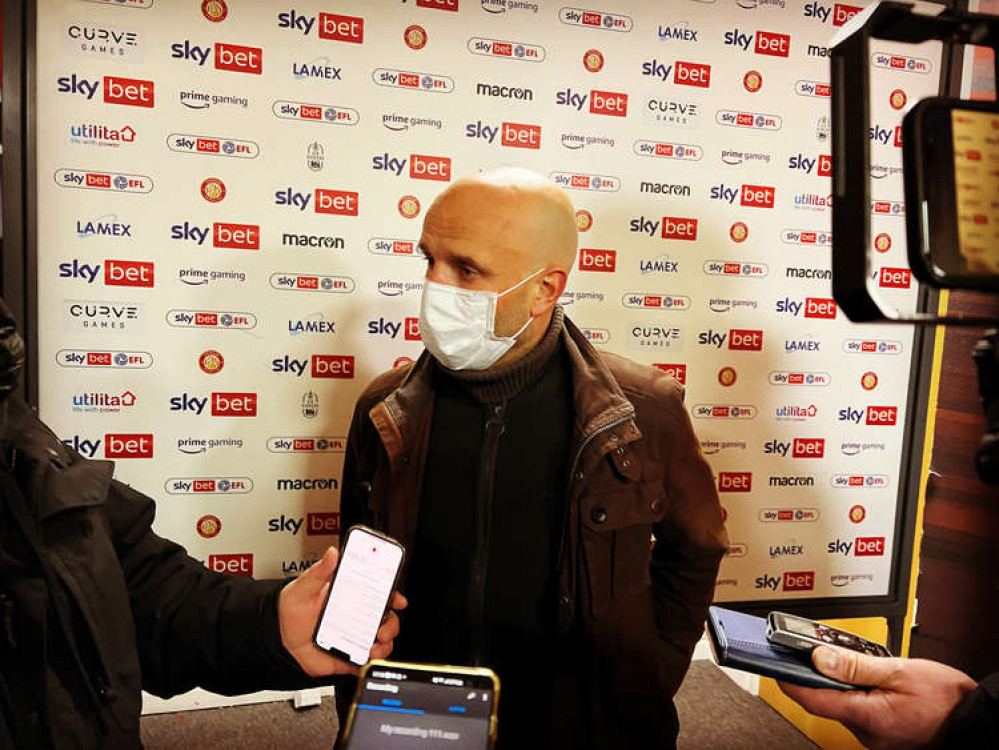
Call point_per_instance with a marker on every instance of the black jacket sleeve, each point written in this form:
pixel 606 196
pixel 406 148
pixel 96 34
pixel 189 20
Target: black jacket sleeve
pixel 975 721
pixel 195 627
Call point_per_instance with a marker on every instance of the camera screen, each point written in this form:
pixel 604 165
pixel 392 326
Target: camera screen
pixel 405 708
pixel 976 180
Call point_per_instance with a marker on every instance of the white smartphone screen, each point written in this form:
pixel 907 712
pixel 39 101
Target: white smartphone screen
pixel 360 590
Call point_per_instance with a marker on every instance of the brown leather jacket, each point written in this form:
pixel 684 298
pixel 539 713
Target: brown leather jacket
pixel 635 609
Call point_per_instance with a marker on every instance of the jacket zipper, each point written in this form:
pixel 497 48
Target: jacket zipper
pixel 494 429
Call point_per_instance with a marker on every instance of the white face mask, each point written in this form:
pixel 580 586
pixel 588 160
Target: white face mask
pixel 458 325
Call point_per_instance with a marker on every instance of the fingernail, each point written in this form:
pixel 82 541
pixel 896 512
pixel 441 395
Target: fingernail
pixel 826 659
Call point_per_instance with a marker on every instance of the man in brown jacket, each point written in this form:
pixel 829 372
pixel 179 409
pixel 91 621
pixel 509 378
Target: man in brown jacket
pixel 526 474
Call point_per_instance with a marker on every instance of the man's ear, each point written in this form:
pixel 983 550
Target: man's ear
pixel 552 285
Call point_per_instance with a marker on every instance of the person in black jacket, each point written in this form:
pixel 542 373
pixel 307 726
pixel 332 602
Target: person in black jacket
pixel 94 606
pixel 909 703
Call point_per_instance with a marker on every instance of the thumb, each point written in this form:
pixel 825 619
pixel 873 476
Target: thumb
pixel 851 667
pixel 319 573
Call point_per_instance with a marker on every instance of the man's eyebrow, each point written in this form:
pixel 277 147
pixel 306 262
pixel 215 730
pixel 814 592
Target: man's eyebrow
pixel 464 260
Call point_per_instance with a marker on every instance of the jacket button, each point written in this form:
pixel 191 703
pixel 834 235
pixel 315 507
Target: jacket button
pixel 565 600
pixel 656 506
pixel 626 463
pixel 579 475
pixel 599 515
pixel 619 451
pixel 614 438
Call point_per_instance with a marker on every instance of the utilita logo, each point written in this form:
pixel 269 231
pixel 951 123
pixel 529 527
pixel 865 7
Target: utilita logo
pixel 751 196
pixel 766 42
pixel 597 260
pixel 839 13
pixel 331 26
pixel 231 57
pixel 132 92
pixel 799 448
pixel 738 339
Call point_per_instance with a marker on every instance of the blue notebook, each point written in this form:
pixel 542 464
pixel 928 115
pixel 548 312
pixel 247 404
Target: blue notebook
pixel 740 641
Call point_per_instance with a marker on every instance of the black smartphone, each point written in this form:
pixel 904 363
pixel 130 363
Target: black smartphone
pixel 359 592
pixel 950 150
pixel 804 634
pixel 399 705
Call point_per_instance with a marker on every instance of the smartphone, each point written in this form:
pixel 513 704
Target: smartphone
pixel 359 593
pixel 950 150
pixel 800 633
pixel 399 705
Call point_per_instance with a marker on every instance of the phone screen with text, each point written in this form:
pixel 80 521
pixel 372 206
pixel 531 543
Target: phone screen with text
pixel 360 590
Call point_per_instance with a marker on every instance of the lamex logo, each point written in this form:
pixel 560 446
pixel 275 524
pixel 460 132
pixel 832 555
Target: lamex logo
pixel 789 377
pixel 676 371
pixel 336 366
pixel 818 89
pixel 901 63
pixel 291 282
pixel 104 226
pixel 786 550
pixel 408 327
pixel 861 546
pixel 224 236
pixel 307 444
pixel 505 49
pixel 331 26
pixel 766 42
pixel 738 339
pixel 672 227
pixel 318 69
pixel 324 200
pixel 751 196
pixel 648 301
pixel 839 13
pixel 231 57
pixel 238 564
pixel 679 32
pixel 314 324
pixel 661 265
pixel 132 92
pixel 665 150
pixel 597 260
pixel 97 134
pixel 802 163
pixel 795 412
pixel 117 182
pixel 859 481
pixel 811 307
pixel 222 404
pixel 883 135
pixel 805 345
pixel 798 447
pixel 601 102
pixel 116 272
pixel 226 320
pixel 594 19
pixel 803 580
pixel 394 246
pixel 872 346
pixel 421 166
pixel 107 359
pixel 745 269
pixel 512 134
pixel 327 114
pixel 657 336
pixel 894 278
pixel 206 145
pixel 724 411
pixel 776 515
pixel 409 80
pixel 888 208
pixel 812 237
pixel 581 181
pixel 208 485
pixel 753 120
pixel 735 481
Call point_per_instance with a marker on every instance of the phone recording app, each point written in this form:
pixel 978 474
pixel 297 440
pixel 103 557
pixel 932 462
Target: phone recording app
pixel 358 595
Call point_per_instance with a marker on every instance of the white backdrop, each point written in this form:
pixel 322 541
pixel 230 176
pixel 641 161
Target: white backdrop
pixel 230 194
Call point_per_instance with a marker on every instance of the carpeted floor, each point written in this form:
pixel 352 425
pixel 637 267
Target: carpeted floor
pixel 714 713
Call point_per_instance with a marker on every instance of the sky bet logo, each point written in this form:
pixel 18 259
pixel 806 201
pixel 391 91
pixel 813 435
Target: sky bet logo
pixel 862 546
pixel 223 404
pixel 511 134
pixel 115 445
pixel 336 366
pixel 738 340
pixel 812 307
pixel 410 328
pixel 601 102
pixel 116 272
pixel 839 13
pixel 735 481
pixel 227 236
pixel 331 26
pixel 335 202
pixel 803 580
pixel 421 166
pixel 883 135
pixel 751 196
pixel 684 73
pixel 894 278
pixel 231 57
pixel 767 43
pixel 673 227
pixel 800 448
pixel 804 164
pixel 131 92
pixel 591 259
pixel 874 415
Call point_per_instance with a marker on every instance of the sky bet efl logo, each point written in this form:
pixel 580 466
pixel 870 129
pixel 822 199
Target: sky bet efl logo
pixel 421 166
pixel 116 272
pixel 601 102
pixel 132 92
pixel 232 57
pixel 331 26
pixel 767 42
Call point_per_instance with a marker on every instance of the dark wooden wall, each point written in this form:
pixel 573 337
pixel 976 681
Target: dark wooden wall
pixel 958 590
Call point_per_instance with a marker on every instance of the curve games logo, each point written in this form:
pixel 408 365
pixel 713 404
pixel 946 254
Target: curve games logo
pixel 666 150
pixel 594 19
pixel 105 359
pixel 412 81
pixel 212 146
pixel 318 283
pixel 328 114
pixel 115 182
pixel 506 50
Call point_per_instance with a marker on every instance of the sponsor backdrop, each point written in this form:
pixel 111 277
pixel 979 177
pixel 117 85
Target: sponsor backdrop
pixel 232 195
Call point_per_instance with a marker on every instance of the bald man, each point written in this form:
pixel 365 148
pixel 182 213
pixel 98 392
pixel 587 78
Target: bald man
pixel 526 474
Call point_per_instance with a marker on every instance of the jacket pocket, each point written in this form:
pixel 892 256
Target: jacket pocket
pixel 616 532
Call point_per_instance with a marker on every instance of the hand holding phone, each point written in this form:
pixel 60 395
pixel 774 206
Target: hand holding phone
pixel 804 634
